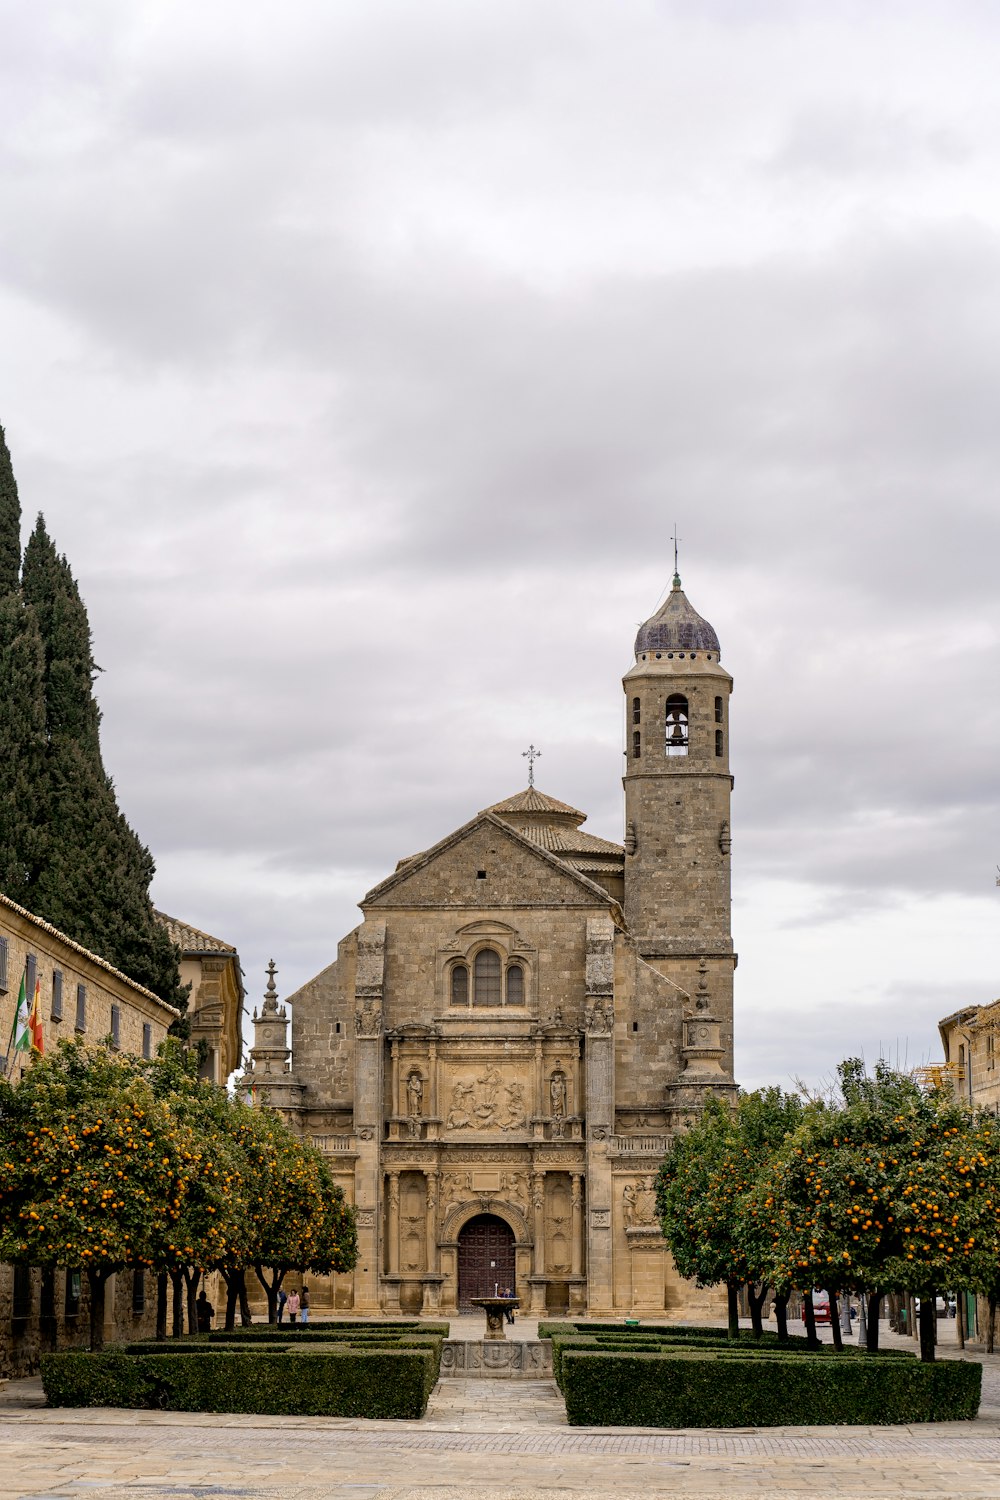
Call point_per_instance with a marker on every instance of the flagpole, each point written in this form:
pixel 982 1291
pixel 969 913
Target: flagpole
pixel 9 1059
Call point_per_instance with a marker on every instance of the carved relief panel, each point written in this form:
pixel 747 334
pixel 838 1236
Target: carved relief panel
pixel 486 1097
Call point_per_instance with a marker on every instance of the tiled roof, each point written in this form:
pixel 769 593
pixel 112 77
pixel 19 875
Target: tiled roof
pixel 676 625
pixel 531 800
pixel 94 958
pixel 567 840
pixel 190 939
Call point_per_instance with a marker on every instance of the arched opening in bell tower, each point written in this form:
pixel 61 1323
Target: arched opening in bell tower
pixel 676 724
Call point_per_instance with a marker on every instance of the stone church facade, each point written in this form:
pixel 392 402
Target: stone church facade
pixel 500 1053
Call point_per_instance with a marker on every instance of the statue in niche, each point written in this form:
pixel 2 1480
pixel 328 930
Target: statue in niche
pixel 414 1095
pixel 557 1094
pixel 629 1196
pixel 463 1097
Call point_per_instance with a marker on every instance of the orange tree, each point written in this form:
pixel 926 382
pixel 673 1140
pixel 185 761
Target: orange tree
pixel 294 1214
pixel 703 1194
pixel 94 1170
pixel 205 1228
pixel 874 1194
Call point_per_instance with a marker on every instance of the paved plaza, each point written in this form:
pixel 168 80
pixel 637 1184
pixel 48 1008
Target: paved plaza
pixel 482 1439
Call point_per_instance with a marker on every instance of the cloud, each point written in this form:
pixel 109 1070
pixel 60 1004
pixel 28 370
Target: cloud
pixel 362 357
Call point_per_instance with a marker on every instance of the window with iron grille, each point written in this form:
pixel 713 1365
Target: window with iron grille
pixel 74 1283
pixel 147 1040
pixel 4 950
pixel 30 975
pixel 116 1025
pixel 486 978
pixel 460 985
pixel 81 1007
pixel 515 985
pixel 57 1014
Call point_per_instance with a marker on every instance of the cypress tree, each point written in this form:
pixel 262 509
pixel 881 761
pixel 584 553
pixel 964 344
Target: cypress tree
pixel 93 882
pixel 23 820
pixel 10 523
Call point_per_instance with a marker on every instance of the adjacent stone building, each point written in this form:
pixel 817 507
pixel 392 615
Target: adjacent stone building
pixel 215 1004
pixel 500 1053
pixel 971 1041
pixel 81 995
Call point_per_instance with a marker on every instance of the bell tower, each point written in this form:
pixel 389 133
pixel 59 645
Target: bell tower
pixel 677 830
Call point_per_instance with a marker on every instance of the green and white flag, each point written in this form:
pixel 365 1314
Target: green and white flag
pixel 22 1029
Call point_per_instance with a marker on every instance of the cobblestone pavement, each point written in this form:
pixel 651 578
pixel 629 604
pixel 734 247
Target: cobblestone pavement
pixel 481 1440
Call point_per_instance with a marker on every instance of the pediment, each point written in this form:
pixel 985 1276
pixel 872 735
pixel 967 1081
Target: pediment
pixel 487 863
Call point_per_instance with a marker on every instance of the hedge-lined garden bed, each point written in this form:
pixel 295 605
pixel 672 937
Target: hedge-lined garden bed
pixel 696 1388
pixel 667 1376
pixel 339 1376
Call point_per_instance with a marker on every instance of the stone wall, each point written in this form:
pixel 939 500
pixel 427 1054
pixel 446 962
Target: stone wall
pixel 104 987
pixel 39 1327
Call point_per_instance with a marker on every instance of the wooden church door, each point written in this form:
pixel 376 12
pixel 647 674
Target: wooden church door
pixel 485 1258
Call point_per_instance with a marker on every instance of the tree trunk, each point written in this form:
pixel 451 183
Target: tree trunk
pixel 191 1280
pixel 241 1283
pixel 271 1288
pixel 733 1303
pixel 232 1297
pixel 810 1320
pixel 874 1304
pixel 161 1305
pixel 781 1313
pixel 928 1327
pixel 756 1306
pixel 835 1328
pixel 177 1282
pixel 97 1277
pixel 960 1329
pixel 893 1301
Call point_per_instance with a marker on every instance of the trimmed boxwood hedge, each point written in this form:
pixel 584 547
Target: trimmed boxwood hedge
pixel 337 1380
pixel 683 1388
pixel 374 1327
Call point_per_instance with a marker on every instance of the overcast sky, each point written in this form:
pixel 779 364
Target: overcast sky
pixel 361 355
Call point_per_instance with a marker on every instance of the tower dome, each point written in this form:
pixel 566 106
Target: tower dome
pixel 676 627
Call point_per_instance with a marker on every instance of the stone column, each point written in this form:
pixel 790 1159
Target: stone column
pixel 395 1108
pixel 600 1107
pixel 540 1100
pixel 577 1241
pixel 537 1279
pixel 432 1079
pixel 368 1109
pixel 432 1199
pixel 392 1226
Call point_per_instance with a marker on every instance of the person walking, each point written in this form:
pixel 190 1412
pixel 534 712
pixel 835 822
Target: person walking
pixel 282 1299
pixel 206 1312
pixel 304 1304
pixel 294 1303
